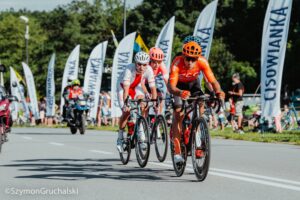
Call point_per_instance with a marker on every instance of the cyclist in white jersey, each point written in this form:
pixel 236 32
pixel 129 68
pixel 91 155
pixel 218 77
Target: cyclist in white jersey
pixel 135 74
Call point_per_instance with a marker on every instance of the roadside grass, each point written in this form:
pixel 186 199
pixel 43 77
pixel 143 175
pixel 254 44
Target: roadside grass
pixel 288 137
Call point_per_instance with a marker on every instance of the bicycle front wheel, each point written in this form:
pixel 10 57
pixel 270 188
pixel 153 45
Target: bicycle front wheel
pixel 201 151
pixel 125 155
pixel 142 142
pixel 161 138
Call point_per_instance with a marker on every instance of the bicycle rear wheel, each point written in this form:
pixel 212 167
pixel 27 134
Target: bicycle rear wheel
pixel 161 138
pixel 142 141
pixel 125 155
pixel 201 152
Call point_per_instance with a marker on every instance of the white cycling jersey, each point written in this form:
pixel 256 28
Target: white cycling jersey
pixel 130 75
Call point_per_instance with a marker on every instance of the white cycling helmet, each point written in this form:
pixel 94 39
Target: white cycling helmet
pixel 142 57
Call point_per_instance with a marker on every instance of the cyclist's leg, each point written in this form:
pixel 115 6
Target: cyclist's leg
pixel 178 117
pixel 125 115
pixel 177 124
pixel 195 88
pixel 160 94
pixel 122 122
pixel 140 94
pixel 177 130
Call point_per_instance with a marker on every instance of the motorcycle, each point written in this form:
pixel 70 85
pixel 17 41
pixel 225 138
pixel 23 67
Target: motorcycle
pixel 78 110
pixel 5 118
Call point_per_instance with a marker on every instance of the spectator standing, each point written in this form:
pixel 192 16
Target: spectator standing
pixel 236 94
pixel 42 109
pixel 99 111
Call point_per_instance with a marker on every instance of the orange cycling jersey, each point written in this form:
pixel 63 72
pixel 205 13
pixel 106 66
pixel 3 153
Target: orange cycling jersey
pixel 179 73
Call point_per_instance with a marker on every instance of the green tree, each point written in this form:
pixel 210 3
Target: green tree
pixel 151 15
pixel 12 45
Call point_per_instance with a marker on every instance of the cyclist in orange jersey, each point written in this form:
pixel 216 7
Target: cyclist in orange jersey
pixel 183 82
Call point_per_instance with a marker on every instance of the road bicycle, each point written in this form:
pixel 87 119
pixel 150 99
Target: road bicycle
pixel 158 133
pixel 195 138
pixel 137 125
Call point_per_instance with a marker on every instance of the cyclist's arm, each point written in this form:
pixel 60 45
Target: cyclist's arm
pixel 173 80
pixel 151 82
pixel 164 72
pixel 125 93
pixel 153 92
pixel 208 85
pixel 209 75
pixel 126 83
pixel 144 88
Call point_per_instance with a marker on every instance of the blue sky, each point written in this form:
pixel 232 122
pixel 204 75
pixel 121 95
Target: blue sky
pixel 45 4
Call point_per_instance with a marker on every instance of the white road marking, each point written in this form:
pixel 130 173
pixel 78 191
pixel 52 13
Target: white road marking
pixel 56 144
pixel 256 176
pixel 252 175
pixel 241 176
pixel 27 138
pixel 102 152
pixel 253 180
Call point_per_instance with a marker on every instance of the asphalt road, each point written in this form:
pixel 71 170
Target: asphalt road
pixel 53 164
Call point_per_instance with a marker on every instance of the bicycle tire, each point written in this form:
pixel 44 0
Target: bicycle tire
pixel 125 155
pixel 201 171
pixel 162 125
pixel 142 155
pixel 179 167
pixel 73 129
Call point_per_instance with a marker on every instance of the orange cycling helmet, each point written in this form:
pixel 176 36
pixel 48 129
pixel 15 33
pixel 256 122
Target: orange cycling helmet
pixel 191 49
pixel 156 54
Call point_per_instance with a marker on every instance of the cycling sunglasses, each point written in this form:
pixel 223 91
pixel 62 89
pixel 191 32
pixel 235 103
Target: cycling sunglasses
pixel 156 62
pixel 188 59
pixel 140 64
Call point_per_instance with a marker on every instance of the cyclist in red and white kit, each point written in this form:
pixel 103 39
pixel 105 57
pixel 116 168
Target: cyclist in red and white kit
pixel 131 85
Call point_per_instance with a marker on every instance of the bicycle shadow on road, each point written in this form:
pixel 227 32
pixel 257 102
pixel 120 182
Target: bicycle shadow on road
pixel 82 169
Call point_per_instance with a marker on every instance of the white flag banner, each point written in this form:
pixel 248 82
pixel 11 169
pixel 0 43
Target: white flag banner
pixel 204 27
pixel 31 91
pixel 71 69
pixel 93 76
pixel 14 83
pixel 274 40
pixel 50 88
pixel 123 57
pixel 14 89
pixel 18 91
pixel 165 41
